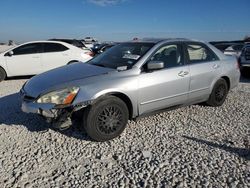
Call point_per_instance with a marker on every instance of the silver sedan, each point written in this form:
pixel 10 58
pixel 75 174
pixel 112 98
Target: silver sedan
pixel 129 80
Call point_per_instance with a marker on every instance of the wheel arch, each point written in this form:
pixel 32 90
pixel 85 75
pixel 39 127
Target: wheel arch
pixel 73 61
pixel 227 79
pixel 4 70
pixel 121 96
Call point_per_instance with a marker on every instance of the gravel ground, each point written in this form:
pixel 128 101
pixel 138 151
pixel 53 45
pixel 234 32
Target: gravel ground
pixel 195 146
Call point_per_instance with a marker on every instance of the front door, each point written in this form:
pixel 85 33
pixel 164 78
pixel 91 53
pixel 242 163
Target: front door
pixel 167 87
pixel 26 60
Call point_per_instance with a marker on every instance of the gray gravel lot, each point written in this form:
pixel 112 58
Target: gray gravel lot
pixel 196 146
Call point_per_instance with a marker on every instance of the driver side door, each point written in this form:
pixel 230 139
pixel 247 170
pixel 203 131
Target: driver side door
pixel 25 60
pixel 166 87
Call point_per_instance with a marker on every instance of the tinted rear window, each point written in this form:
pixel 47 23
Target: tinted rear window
pixel 54 47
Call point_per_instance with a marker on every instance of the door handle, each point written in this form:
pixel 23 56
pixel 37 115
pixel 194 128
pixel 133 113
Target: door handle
pixel 216 66
pixel 35 57
pixel 183 73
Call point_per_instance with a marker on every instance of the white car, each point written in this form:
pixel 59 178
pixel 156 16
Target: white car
pixel 36 57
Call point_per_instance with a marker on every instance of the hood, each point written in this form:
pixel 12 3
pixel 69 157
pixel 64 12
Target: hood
pixel 60 76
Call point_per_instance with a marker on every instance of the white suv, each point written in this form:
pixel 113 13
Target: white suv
pixel 36 57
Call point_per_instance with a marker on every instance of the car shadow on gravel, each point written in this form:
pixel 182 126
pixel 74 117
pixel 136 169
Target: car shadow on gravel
pixel 241 152
pixel 12 115
pixel 19 77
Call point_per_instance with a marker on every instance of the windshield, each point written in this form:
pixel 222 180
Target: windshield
pixel 122 56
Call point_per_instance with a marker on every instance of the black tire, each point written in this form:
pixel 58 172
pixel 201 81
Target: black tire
pixel 2 74
pixel 219 93
pixel 106 119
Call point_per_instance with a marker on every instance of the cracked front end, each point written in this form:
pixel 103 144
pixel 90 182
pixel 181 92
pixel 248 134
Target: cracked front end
pixel 55 106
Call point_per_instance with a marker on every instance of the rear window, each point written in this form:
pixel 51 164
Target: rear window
pixel 54 47
pixel 200 53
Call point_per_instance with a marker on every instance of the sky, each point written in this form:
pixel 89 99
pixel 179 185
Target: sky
pixel 121 20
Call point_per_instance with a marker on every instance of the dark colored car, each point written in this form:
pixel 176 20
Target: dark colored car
pixel 245 60
pixel 223 46
pixel 99 48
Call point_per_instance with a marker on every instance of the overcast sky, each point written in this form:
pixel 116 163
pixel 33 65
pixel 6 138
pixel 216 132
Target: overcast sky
pixel 119 20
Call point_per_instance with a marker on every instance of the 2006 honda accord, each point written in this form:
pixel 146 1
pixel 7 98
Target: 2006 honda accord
pixel 130 80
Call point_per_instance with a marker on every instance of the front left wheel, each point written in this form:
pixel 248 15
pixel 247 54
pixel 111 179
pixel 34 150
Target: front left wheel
pixel 106 119
pixel 2 74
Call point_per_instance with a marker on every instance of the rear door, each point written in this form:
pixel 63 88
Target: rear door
pixel 167 87
pixel 204 69
pixel 26 60
pixel 54 55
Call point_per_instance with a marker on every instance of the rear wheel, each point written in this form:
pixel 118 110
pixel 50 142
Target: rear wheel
pixel 106 119
pixel 2 74
pixel 219 93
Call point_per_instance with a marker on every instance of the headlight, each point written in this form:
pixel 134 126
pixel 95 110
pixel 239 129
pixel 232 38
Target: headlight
pixel 61 97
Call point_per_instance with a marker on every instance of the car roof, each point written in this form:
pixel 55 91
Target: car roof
pixel 69 40
pixel 157 40
pixel 45 41
pixel 49 41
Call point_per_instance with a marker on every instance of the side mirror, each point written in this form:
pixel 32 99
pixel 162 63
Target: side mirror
pixel 155 65
pixel 10 53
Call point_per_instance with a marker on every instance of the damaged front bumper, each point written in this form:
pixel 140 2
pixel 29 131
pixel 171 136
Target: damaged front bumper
pixel 58 116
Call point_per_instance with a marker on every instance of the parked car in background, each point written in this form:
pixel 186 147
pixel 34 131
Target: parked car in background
pixel 36 57
pixel 100 48
pixel 245 60
pixel 131 79
pixel 222 46
pixel 89 42
pixel 234 50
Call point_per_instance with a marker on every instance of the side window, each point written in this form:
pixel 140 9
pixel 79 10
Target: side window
pixel 198 53
pixel 28 49
pixel 54 47
pixel 170 55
